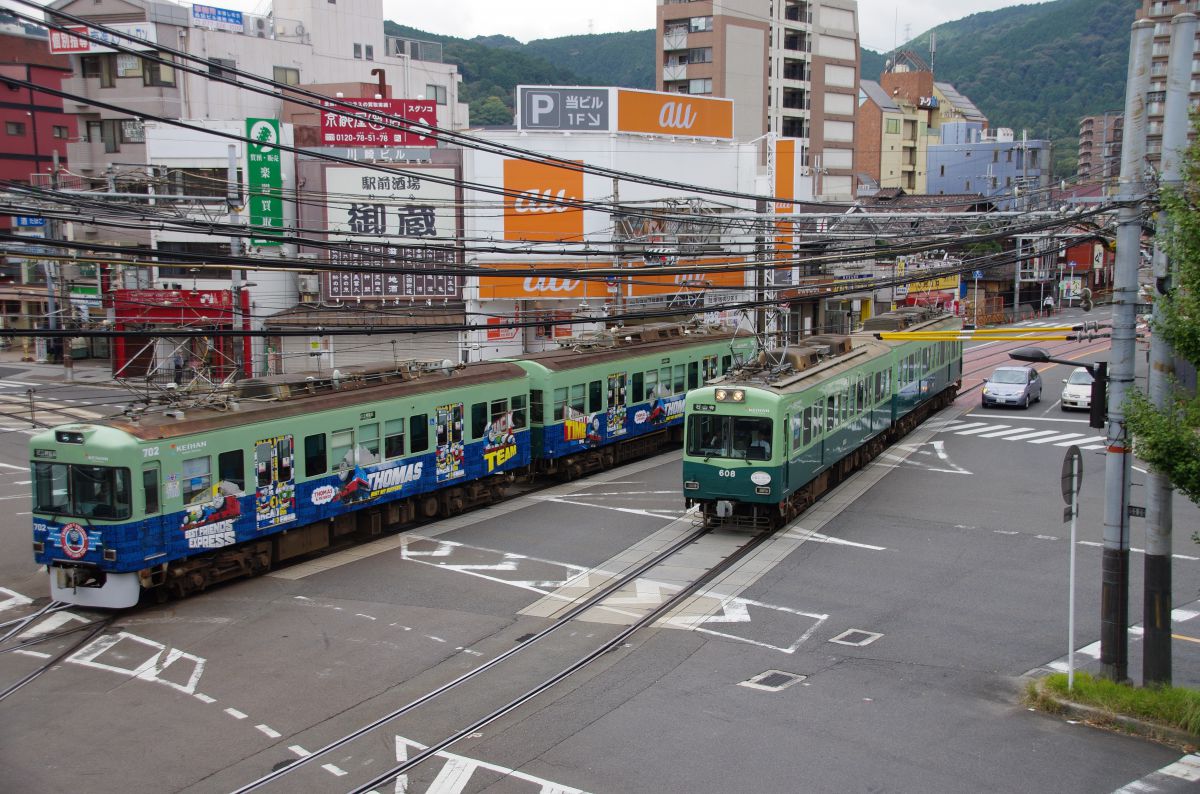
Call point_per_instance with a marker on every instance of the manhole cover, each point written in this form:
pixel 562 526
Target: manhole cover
pixel 856 637
pixel 773 680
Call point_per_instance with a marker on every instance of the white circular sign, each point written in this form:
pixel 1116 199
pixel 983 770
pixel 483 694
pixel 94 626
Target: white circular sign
pixel 760 478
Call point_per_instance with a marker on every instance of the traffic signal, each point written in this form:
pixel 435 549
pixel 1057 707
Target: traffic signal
pixel 1085 300
pixel 1099 407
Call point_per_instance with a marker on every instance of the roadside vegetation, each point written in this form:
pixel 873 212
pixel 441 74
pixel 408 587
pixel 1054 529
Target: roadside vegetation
pixel 1172 708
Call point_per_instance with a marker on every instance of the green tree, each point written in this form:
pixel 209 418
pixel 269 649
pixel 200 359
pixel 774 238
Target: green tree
pixel 491 111
pixel 1169 438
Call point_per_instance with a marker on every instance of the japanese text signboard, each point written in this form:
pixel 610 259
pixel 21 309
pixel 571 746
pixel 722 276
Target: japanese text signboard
pixel 553 108
pixel 71 41
pixel 404 221
pixel 264 177
pixel 380 122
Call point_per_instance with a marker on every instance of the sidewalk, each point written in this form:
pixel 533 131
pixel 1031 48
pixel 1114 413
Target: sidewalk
pixel 94 372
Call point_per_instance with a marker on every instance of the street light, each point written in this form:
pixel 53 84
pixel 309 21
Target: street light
pixel 1097 369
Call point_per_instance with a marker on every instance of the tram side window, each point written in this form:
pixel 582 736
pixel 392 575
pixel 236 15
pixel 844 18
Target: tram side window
pixel 710 367
pixel 341 448
pixel 831 411
pixel 393 438
pixel 518 411
pixel 796 421
pixel 651 384
pixel 197 480
pixel 315 463
pixel 639 381
pixel 577 399
pixel 807 431
pixel 231 467
pixel 594 402
pixel 537 413
pixel 693 375
pixel 678 384
pixel 418 432
pixel 368 443
pixel 726 363
pixel 479 419
pixel 150 489
pixel 560 404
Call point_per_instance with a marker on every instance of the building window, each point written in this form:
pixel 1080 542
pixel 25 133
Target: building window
pixel 158 74
pixel 698 55
pixel 60 132
pixel 369 51
pixel 358 51
pixel 133 131
pixel 110 134
pixel 14 127
pixel 219 68
pixel 701 86
pixel 197 250
pixel 89 65
pixel 893 126
pixel 287 75
pixel 437 93
pixel 699 24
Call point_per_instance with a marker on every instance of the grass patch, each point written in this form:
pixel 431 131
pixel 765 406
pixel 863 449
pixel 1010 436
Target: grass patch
pixel 1168 706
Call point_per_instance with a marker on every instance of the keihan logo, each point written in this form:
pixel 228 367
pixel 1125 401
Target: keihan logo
pixel 676 115
pixel 541 201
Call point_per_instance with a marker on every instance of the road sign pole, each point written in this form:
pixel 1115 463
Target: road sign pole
pixel 1072 472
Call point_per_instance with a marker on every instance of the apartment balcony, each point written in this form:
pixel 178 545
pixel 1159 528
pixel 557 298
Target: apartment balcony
pixel 676 71
pixel 675 38
pixel 415 49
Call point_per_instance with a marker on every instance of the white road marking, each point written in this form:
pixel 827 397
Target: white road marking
pixel 10 466
pixel 1080 441
pixel 333 770
pixel 1006 432
pixel 1057 438
pixel 237 715
pixel 269 731
pixel 458 770
pixel 300 751
pixel 975 430
pixel 1033 434
pixel 14 599
pixel 34 654
pixel 1099 545
pixel 562 500
pixel 203 698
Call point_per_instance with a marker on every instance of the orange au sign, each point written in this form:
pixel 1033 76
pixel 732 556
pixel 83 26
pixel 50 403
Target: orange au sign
pixel 532 205
pixel 664 113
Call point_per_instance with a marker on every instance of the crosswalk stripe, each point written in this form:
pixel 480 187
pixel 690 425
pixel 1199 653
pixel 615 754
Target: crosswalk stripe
pixel 975 430
pixel 966 425
pixel 1089 440
pixel 1006 432
pixel 1059 437
pixel 1033 434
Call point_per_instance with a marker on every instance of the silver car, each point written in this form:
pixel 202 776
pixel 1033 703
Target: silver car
pixel 1078 391
pixel 1012 386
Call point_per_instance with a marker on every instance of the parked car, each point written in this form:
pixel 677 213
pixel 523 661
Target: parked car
pixel 1078 391
pixel 1012 386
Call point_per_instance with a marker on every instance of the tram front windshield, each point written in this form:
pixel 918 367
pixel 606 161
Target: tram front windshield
pixel 81 491
pixel 713 436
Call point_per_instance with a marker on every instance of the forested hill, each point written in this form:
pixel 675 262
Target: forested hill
pixel 1038 68
pixel 1034 67
pixel 492 66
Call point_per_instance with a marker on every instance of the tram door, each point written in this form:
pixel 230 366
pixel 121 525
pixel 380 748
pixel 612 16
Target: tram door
pixel 449 453
pixel 616 404
pixel 152 526
pixel 275 483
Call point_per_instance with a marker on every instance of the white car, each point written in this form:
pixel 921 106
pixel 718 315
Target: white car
pixel 1077 393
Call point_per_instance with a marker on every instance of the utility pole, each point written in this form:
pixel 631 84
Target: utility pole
pixel 1156 645
pixel 233 199
pixel 1114 584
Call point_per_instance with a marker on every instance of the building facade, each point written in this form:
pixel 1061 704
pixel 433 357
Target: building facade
pixel 35 126
pixel 791 68
pixel 1013 173
pixel 1100 146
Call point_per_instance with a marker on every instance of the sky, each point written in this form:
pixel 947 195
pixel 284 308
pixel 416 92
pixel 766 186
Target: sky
pixel 882 23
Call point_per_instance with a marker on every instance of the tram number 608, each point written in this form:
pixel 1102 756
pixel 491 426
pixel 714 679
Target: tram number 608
pixel 726 473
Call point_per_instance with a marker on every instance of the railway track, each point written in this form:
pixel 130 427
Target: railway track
pixel 23 630
pixel 562 670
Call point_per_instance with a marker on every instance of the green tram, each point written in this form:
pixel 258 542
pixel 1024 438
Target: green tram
pixel 764 441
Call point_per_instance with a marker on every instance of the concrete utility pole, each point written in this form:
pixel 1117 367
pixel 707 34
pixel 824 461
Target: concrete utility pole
pixel 1114 585
pixel 233 198
pixel 1156 645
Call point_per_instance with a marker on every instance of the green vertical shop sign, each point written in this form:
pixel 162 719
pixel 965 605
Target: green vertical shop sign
pixel 264 179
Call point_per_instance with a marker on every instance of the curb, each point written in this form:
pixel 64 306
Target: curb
pixel 1102 718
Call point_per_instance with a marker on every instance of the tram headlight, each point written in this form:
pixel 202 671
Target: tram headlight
pixel 730 395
